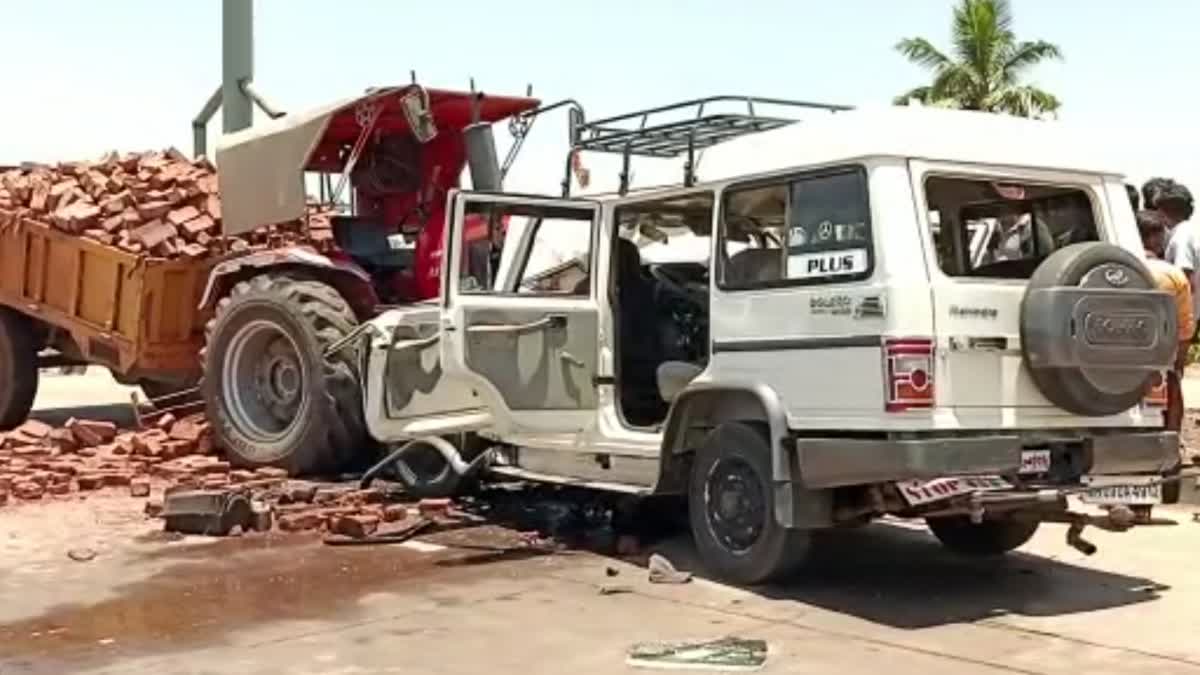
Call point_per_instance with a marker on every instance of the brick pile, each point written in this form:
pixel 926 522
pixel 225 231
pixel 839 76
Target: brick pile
pixel 158 204
pixel 39 462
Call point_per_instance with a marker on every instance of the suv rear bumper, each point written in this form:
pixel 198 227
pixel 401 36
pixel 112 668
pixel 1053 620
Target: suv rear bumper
pixel 835 462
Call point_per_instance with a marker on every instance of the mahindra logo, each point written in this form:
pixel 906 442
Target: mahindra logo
pixel 1123 330
pixel 1116 276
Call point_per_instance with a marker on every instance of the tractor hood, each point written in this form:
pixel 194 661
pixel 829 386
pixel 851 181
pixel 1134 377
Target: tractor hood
pixel 261 169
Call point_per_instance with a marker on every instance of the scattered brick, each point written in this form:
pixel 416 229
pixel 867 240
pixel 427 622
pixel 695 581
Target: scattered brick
pixel 139 487
pixel 28 490
pixel 355 526
pixel 35 429
pixel 271 472
pixel 153 508
pixel 300 522
pixel 392 513
pixel 434 508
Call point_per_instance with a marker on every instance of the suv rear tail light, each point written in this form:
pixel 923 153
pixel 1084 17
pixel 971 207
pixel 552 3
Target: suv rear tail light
pixel 1156 393
pixel 908 368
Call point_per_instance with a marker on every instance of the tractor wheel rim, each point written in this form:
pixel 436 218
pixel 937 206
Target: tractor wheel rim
pixel 262 382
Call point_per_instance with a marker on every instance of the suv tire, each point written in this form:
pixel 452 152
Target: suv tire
pixel 989 538
pixel 731 509
pixel 1080 390
pixel 273 397
pixel 18 368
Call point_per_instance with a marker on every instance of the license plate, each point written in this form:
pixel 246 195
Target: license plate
pixel 1034 461
pixel 917 492
pixel 1122 490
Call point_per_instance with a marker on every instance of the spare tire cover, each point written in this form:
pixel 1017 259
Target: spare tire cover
pixel 1090 340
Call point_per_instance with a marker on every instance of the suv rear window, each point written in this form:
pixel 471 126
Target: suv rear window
pixel 999 229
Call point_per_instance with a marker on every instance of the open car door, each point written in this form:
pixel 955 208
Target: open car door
pixel 523 334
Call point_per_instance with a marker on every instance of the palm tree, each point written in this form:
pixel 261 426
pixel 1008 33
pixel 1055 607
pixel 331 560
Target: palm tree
pixel 989 62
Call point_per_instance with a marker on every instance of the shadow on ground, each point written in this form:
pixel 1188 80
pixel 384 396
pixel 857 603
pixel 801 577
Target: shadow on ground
pixel 120 413
pixel 903 578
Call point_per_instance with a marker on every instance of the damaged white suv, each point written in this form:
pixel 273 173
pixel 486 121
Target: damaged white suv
pixel 910 312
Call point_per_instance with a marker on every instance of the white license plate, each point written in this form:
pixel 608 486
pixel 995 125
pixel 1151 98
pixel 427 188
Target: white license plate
pixel 1034 461
pixel 917 492
pixel 1134 490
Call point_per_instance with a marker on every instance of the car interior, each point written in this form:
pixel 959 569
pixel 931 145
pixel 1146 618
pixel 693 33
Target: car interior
pixel 984 228
pixel 660 303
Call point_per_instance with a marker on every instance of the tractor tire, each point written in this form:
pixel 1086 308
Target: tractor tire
pixel 272 396
pixel 731 509
pixel 18 368
pixel 986 539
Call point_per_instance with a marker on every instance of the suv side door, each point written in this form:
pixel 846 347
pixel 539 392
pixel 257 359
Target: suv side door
pixel 525 341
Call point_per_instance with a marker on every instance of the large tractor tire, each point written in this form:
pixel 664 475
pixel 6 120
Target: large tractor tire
pixel 18 368
pixel 273 397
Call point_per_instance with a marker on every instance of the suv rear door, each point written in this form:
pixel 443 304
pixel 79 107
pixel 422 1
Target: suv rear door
pixel 989 229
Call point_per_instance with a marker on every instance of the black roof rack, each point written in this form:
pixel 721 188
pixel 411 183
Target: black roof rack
pixel 634 133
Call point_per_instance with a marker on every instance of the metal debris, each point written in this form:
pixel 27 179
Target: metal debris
pixel 724 654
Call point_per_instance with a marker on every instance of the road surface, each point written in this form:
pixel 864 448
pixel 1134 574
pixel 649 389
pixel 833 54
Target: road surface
pixel 886 597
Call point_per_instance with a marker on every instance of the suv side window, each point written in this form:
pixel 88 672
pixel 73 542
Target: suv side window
pixel 798 230
pixel 556 261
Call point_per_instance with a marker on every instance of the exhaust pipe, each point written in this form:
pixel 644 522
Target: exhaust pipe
pixel 443 484
pixel 481 157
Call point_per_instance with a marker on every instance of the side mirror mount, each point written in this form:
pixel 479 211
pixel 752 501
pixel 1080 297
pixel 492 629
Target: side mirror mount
pixel 420 118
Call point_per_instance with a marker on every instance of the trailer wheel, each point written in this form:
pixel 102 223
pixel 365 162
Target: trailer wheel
pixel 730 506
pixel 18 368
pixel 273 397
pixel 989 538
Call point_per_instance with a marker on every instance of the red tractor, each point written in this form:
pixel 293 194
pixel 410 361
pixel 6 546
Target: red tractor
pixel 281 371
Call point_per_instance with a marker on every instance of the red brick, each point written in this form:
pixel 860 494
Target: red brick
pixel 117 479
pixel 153 210
pixel 124 445
pixel 90 481
pixel 28 490
pixel 356 526
pixel 212 206
pixel 197 226
pixel 3 497
pixel 214 481
pixel 153 508
pixel 139 487
pixel 392 513
pixel 241 475
pixel 270 472
pixel 182 215
pixel 59 488
pixel 76 216
pixel 434 508
pixel 92 432
pixel 165 422
pixel 299 522
pixel 63 439
pixel 66 468
pixel 35 429
pixel 19 439
pixel 172 449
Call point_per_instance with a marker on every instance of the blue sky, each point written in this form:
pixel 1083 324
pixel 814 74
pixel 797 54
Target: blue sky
pixel 82 76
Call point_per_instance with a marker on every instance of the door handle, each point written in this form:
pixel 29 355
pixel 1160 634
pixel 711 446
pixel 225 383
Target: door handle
pixel 572 359
pixel 544 323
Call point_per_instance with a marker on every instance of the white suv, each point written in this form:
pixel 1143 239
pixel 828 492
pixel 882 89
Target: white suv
pixel 923 313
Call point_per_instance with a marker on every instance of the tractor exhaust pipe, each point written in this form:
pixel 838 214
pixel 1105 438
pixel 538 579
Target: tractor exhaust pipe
pixel 481 157
pixel 453 471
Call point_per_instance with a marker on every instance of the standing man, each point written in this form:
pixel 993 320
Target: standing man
pixel 1174 202
pixel 1153 227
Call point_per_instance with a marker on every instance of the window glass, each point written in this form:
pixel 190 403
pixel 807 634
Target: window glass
pixel 801 230
pixel 555 257
pixel 990 228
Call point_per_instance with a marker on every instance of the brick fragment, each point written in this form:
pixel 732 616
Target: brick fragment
pixel 165 422
pixel 355 526
pixel 434 508
pixel 241 475
pixel 35 429
pixel 392 513
pixel 139 487
pixel 182 215
pixel 90 433
pixel 28 490
pixel 270 472
pixel 302 521
pixel 90 481
pixel 153 508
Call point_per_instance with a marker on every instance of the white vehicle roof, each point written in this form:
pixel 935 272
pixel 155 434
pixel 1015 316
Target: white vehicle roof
pixel 907 132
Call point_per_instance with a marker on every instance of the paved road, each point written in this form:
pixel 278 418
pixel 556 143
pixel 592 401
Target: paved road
pixel 884 597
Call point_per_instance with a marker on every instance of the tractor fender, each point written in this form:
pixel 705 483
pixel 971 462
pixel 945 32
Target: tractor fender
pixel 350 280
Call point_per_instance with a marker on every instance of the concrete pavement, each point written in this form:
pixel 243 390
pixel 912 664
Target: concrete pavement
pixel 882 597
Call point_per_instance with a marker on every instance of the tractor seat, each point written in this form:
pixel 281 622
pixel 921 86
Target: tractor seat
pixel 368 243
pixel 674 376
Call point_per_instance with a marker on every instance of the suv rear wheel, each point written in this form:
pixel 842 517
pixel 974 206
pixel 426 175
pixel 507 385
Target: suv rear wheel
pixel 989 538
pixel 731 509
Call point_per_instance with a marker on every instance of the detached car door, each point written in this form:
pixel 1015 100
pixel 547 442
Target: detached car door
pixel 520 318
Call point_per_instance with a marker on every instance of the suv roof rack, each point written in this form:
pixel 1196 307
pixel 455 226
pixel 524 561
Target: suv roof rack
pixel 635 134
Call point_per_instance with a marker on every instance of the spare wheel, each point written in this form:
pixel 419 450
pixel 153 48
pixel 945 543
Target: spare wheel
pixel 1094 328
